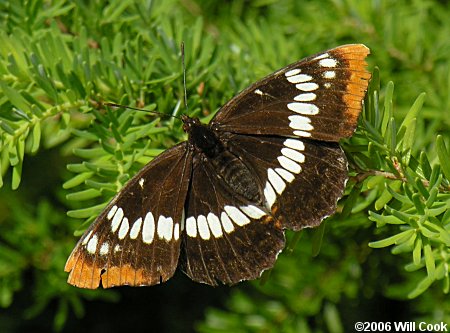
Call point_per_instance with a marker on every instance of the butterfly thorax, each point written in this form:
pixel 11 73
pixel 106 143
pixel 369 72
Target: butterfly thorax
pixel 201 137
pixel 238 179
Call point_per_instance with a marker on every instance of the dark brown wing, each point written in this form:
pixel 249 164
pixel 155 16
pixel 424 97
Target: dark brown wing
pixel 318 97
pixel 233 236
pixel 136 239
pixel 303 179
pixel 227 238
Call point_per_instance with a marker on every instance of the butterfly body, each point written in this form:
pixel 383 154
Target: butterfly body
pixel 208 146
pixel 217 205
pixel 201 138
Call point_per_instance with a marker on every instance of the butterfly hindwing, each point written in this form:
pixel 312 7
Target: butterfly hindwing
pixel 231 237
pixel 227 239
pixel 303 179
pixel 318 97
pixel 136 239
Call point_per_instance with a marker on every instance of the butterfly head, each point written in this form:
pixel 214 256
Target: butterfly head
pixel 189 123
pixel 201 137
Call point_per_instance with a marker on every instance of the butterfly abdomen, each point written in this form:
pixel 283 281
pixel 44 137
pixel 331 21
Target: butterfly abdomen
pixel 237 176
pixel 238 180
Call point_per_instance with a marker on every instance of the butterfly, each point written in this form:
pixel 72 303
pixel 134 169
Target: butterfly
pixel 218 204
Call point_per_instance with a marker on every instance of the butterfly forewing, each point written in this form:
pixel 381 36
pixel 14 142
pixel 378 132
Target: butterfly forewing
pixel 136 239
pixel 318 97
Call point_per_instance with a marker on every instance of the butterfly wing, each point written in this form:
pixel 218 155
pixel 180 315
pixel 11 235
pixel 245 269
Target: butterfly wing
pixel 318 97
pixel 302 178
pixel 285 130
pixel 136 239
pixel 227 239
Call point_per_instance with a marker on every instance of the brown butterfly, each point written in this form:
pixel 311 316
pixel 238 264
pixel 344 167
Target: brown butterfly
pixel 218 203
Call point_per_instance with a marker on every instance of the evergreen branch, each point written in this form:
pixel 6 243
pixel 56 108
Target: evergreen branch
pixel 364 174
pixel 411 193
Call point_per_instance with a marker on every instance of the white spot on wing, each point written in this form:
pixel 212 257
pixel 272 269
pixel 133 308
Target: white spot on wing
pixel 165 227
pixel 253 211
pixel 303 108
pixel 191 227
pixel 141 182
pixel 308 86
pixel 111 212
pixel 236 215
pixel 148 230
pixel 300 123
pixel 270 195
pixel 329 62
pixel 176 231
pixel 258 92
pixel 293 155
pixel 277 182
pixel 289 164
pixel 123 228
pixel 92 244
pixel 299 78
pixel 169 228
pixel 294 144
pixel 203 229
pixel 118 216
pixel 117 248
pixel 214 225
pixel 306 97
pixel 329 74
pixel 86 239
pixel 321 56
pixel 104 249
pixel 287 176
pixel 136 228
pixel 302 134
pixel 226 223
pixel 292 72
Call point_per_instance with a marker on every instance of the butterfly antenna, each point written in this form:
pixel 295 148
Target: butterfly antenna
pixel 156 112
pixel 139 109
pixel 184 76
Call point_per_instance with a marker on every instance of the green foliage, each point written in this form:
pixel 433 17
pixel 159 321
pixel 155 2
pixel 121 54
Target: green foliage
pixel 36 241
pixel 412 195
pixel 62 150
pixel 296 301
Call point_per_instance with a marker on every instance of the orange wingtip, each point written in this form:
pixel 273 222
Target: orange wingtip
pixel 89 275
pixel 354 56
pixel 82 274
